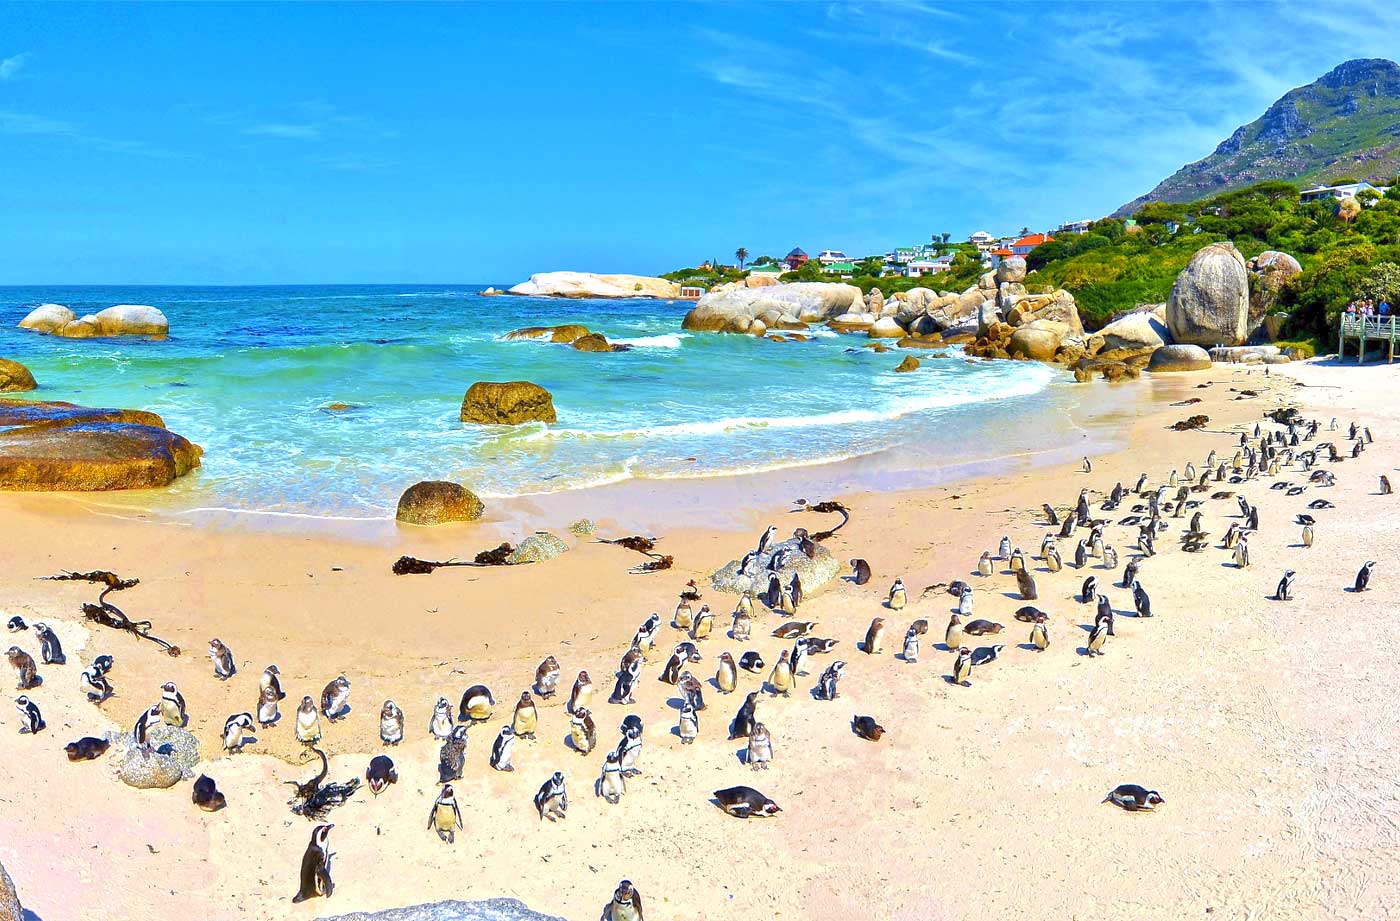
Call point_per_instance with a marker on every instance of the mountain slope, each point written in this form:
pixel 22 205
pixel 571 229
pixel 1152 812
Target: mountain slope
pixel 1347 123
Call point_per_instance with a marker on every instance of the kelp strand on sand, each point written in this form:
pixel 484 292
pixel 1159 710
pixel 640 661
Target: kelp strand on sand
pixel 108 614
pixel 313 799
pixel 496 556
pixel 827 507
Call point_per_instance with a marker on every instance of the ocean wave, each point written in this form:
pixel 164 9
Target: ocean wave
pixel 664 341
pixel 602 478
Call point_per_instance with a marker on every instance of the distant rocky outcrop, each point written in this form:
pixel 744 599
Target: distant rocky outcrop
pixel 566 333
pixel 589 284
pixel 121 320
pixel 745 310
pixel 434 502
pixel 15 377
pixel 1341 124
pixel 61 446
pixel 485 910
pixel 1209 303
pixel 507 403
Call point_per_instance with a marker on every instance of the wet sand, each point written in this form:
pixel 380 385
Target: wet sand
pixel 1265 724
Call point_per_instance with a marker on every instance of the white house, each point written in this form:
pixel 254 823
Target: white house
pixel 832 256
pixel 981 238
pixel 1339 192
pixel 1075 227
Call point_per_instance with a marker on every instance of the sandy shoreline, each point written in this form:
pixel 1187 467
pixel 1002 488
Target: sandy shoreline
pixel 981 801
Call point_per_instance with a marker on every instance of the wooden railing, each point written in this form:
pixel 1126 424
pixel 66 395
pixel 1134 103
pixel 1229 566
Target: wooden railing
pixel 1383 329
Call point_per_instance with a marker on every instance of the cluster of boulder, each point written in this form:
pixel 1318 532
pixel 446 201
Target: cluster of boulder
pixel 121 320
pixel 59 446
pixel 580 337
pixel 590 284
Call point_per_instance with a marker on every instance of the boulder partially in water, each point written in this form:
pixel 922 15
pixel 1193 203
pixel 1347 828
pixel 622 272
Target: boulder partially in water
pixel 120 320
pixel 816 572
pixel 591 284
pixel 565 333
pixel 507 403
pixel 733 310
pixel 437 502
pixel 1182 357
pixel 60 446
pixel 15 377
pixel 48 318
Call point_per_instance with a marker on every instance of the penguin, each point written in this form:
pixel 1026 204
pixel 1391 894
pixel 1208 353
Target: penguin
pixel 962 667
pixel 1284 592
pixel 629 747
pixel 744 802
pixel 23 664
pixel 476 704
pixel 1087 467
pixel 452 757
pixel 860 570
pixel 272 678
pixel 172 705
pixel 727 676
pixel 867 728
pixel 1081 555
pixel 86 749
pixel 986 655
pixel 1004 548
pixel 626 904
pixel 898 597
pixel 1134 798
pixel 267 708
pixel 952 637
pixel 316 866
pixel 308 726
pixel 31 720
pixel 645 637
pixel 1052 559
pixel 553 799
pixel 760 752
pixel 984 564
pixel 1105 613
pixel 626 681
pixel 391 722
pixel 982 628
pixel 745 718
pixel 692 691
pixel 1029 614
pixel 1025 584
pixel 611 785
pixel 1242 553
pixel 445 818
pixel 919 626
pixel 237 728
pixel 1051 517
pixel 672 672
pixel 1040 636
pixel 965 601
pixel 582 694
pixel 1130 572
pixel 773 596
pixel 1097 637
pixel 688 651
pixel 440 724
pixel 875 637
pixel 1308 535
pixel 780 679
pixel 547 677
pixel 704 624
pixel 826 685
pixel 743 625
pixel 794 629
pixel 911 646
pixel 148 720
pixel 682 618
pixel 1110 557
pixel 582 731
pixel 222 657
pixel 1096 546
pixel 206 794
pixel 1141 601
pixel 526 718
pixel 766 539
pixel 1363 577
pixel 16 624
pixel 1385 485
pixel 1017 561
pixel 335 699
pixel 1089 589
pixel 380 773
pixel 751 662
pixel 50 649
pixel 688 726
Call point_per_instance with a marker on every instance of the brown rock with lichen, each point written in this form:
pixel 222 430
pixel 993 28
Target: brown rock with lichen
pixel 438 501
pixel 507 403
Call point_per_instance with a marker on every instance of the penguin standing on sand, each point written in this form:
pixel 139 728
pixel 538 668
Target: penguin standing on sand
pixel 898 596
pixel 268 713
pixel 860 571
pixel 440 724
pixel 308 728
pixel 911 646
pixel 335 698
pixel 952 637
pixel 31 721
pixel 504 747
pixel 26 671
pixel 547 677
pixel 962 667
pixel 760 751
pixel 172 705
pixel 984 564
pixel 390 723
pixel 445 818
pixel 1363 577
pixel 582 694
pixel 316 866
pixel 1040 637
pixel 688 726
pixel 1097 637
pixel 552 800
pixel 1285 586
pixel 237 728
pixel 51 650
pixel 727 675
pixel 222 657
pixel 875 637
pixel 626 904
pixel 582 731
pixel 1141 601
pixel 826 685
pixel 272 678
pixel 526 718
pixel 94 684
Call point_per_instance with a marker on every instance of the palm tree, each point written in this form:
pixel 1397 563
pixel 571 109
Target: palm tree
pixel 741 254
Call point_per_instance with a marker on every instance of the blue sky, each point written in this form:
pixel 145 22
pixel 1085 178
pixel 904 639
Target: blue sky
pixel 211 144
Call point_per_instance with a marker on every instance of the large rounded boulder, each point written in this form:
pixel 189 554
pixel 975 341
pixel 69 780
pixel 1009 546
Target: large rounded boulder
pixel 132 320
pixel 734 309
pixel 566 333
pixel 1011 269
pixel 1209 303
pixel 1269 272
pixel 1038 341
pixel 15 377
pixel 48 318
pixel 437 502
pixel 1182 357
pixel 507 403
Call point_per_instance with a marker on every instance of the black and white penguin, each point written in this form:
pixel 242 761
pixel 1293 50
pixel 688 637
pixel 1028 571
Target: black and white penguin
pixel 526 718
pixel 1141 601
pixel 626 904
pixel 688 724
pixel 380 773
pixel 1134 798
pixel 316 867
pixel 237 728
pixel 671 673
pixel 582 694
pixel 31 720
pixel 272 678
pixel 16 624
pixel 1363 577
pixel 1104 612
pixel 744 802
pixel 1089 590
pixel 391 723
pixel 1097 637
pixel 645 637
pixel 93 682
pixel 692 691
pixel 452 758
pixel 504 747
pixel 629 747
pixel 145 722
pixel 267 707
pixel 760 751
pixel 626 681
pixel 172 705
pixel 962 667
pixel 1130 572
pixel 222 657
pixel 766 539
pixel 206 794
pixel 553 799
pixel 50 649
pixel 751 661
pixel 335 698
pixel 476 705
pixel 1040 635
pixel 743 721
pixel 1284 592
pixel 611 785
pixel 547 677
pixel 986 655
pixel 583 733
pixel 440 723
pixel 826 684
pixel 445 818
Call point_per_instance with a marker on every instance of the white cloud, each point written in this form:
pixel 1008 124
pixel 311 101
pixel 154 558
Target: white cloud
pixel 290 132
pixel 11 66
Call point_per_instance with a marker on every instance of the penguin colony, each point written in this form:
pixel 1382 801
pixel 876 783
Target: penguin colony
pixel 1288 451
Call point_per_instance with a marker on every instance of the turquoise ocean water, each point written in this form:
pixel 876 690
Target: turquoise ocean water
pixel 248 372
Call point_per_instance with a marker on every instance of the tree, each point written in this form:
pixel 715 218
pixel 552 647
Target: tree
pixel 1025 231
pixel 741 254
pixel 1382 284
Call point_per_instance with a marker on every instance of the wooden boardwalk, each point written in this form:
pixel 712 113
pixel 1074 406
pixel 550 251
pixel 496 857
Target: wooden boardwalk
pixel 1364 330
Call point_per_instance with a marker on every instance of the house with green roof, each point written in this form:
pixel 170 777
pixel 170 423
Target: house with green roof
pixel 839 268
pixel 767 269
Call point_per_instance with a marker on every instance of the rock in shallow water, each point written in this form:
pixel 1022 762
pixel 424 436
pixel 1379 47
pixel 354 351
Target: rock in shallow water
pixel 816 572
pixel 15 377
pixel 1179 358
pixel 507 403
pixel 485 910
pixel 537 548
pixel 438 501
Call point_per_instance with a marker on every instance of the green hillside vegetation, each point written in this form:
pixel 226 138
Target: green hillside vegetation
pixel 1115 268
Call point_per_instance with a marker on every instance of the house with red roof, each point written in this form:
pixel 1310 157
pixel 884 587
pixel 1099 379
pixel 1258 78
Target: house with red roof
pixel 1027 243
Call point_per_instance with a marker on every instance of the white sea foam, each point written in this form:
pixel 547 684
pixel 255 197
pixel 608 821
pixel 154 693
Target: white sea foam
pixel 665 341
